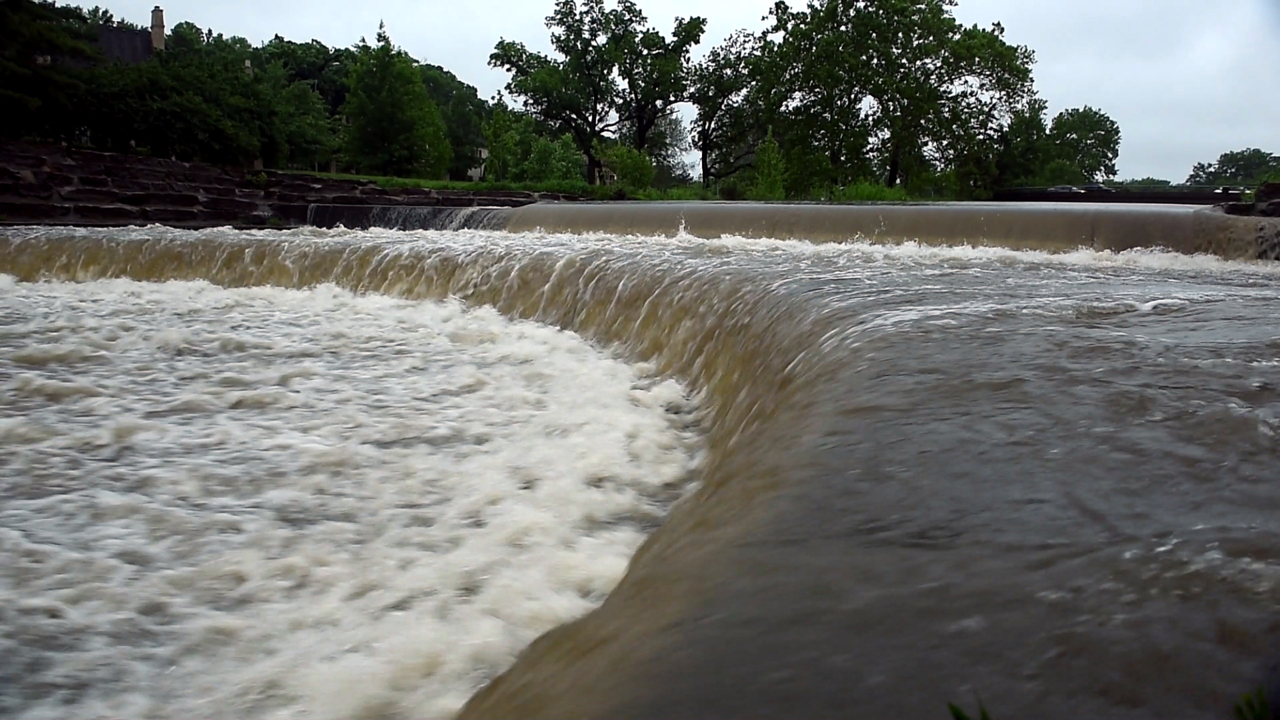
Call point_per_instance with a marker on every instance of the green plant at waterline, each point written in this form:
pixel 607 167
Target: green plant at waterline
pixel 958 713
pixel 1254 706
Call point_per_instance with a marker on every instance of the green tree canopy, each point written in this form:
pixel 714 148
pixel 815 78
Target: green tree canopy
pixel 610 68
pixel 1087 139
pixel 633 167
pixel 653 70
pixel 521 151
pixel 720 89
pixel 1250 166
pixel 36 89
pixel 770 172
pixel 898 80
pixel 1145 182
pixel 394 128
pixel 576 92
pixel 464 115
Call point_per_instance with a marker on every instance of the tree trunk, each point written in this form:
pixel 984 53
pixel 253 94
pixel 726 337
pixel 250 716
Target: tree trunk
pixel 593 169
pixel 895 164
pixel 706 171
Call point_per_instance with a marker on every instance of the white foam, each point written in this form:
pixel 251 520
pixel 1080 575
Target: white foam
pixel 272 503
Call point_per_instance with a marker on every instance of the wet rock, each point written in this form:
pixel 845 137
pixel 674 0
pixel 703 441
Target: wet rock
pixel 106 212
pixel 292 213
pixel 297 188
pixel 232 205
pixel 184 200
pixel 90 195
pixel 456 200
pixel 349 200
pixel 171 214
pixel 219 217
pixel 44 191
pixel 19 210
pixel 422 200
pixel 52 183
pixel 1267 193
pixel 128 185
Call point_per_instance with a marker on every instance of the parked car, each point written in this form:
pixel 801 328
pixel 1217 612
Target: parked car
pixel 1097 188
pixel 1065 189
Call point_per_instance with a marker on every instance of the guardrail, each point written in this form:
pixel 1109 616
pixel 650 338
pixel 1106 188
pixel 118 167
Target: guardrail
pixel 1172 195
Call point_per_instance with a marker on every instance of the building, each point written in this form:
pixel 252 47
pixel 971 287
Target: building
pixel 132 46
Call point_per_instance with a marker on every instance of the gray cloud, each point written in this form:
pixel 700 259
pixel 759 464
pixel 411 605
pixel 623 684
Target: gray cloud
pixel 1183 78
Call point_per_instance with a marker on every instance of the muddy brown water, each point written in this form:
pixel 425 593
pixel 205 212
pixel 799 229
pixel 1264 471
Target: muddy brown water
pixel 930 474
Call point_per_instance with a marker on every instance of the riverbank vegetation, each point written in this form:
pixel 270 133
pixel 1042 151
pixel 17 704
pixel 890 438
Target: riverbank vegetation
pixel 835 100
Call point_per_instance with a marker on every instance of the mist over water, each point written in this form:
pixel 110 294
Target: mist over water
pixel 921 472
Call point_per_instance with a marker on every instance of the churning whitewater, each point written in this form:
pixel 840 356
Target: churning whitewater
pixel 273 503
pixel 334 473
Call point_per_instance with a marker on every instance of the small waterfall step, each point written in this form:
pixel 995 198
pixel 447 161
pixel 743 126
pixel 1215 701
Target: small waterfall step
pixel 406 217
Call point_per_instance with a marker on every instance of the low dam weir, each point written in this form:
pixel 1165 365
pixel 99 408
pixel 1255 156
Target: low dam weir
pixel 1190 229
pixel 633 460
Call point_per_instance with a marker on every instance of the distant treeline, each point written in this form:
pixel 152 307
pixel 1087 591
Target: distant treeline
pixel 369 108
pixel 834 97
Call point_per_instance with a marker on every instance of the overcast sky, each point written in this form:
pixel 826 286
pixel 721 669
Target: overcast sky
pixel 1185 79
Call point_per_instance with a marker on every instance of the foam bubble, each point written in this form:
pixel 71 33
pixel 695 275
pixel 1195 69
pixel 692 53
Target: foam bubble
pixel 273 503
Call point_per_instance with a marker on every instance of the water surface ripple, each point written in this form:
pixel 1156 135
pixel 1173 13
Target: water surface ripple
pixel 929 473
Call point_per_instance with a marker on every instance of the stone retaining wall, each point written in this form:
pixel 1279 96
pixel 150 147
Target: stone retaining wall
pixel 53 185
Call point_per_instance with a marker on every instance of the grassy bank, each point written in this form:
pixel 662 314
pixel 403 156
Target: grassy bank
pixel 864 192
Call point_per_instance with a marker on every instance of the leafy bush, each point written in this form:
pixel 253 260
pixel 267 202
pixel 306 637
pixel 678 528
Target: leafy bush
pixel 731 189
pixel 634 168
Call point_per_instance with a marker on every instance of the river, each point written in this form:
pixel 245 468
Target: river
pixel 330 473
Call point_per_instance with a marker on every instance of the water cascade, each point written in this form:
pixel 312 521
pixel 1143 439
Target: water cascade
pixel 924 471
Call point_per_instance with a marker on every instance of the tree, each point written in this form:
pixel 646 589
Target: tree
pixel 770 171
pixel 1250 166
pixel 1087 139
pixel 900 80
pixel 653 70
pixel 577 92
pixel 719 88
pixel 1024 148
pixel 1145 182
pixel 37 89
pixel 520 151
pixel 394 128
pixel 314 63
pixel 302 125
pixel 667 144
pixel 811 86
pixel 552 161
pixel 632 166
pixel 611 69
pixel 464 114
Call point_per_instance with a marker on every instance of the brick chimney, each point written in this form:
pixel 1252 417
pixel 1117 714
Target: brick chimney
pixel 157 28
